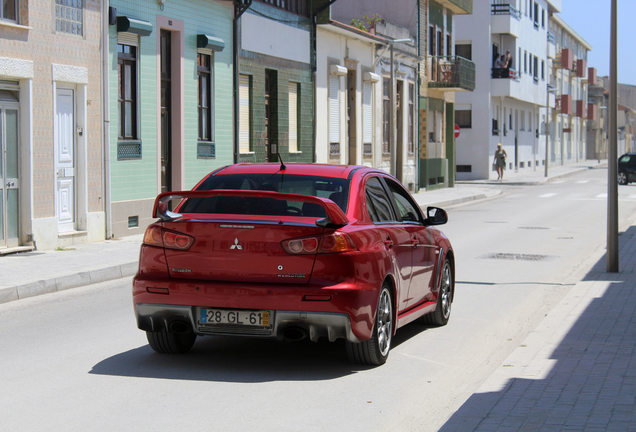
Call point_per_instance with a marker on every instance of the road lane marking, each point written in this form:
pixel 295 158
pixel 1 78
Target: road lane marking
pixel 603 195
pixel 548 195
pixel 582 181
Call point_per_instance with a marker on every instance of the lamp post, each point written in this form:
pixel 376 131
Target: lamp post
pixel 612 162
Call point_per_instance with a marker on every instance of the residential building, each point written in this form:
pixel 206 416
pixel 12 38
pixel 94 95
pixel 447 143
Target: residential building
pixel 275 82
pixel 598 101
pixel 509 103
pixel 349 95
pixel 569 79
pixel 51 172
pixel 419 74
pixel 170 102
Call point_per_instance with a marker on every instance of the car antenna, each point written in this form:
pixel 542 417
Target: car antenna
pixel 282 164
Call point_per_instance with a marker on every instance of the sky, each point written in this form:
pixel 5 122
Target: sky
pixel 591 19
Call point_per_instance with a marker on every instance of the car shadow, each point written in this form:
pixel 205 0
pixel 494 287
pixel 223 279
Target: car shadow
pixel 245 360
pixel 237 360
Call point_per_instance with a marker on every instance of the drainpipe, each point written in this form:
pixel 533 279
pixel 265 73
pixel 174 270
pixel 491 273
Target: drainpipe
pixel 105 93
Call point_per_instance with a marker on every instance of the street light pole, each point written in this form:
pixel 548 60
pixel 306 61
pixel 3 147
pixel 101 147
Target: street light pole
pixel 612 156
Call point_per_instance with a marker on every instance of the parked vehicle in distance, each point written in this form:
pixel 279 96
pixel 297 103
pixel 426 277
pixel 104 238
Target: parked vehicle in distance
pixel 627 168
pixel 293 251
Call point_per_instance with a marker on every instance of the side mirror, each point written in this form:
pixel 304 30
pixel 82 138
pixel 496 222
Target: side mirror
pixel 435 216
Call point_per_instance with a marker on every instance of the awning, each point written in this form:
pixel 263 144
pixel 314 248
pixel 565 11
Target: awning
pixel 133 25
pixel 210 42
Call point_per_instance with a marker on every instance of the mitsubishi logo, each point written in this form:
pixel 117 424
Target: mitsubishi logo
pixel 236 245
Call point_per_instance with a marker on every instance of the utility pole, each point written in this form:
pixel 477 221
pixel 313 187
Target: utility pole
pixel 612 156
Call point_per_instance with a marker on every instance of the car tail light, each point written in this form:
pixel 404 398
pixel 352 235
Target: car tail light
pixel 157 236
pixel 336 242
pixel 301 246
pixel 328 243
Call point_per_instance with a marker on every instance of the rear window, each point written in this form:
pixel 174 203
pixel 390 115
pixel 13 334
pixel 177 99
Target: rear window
pixel 335 189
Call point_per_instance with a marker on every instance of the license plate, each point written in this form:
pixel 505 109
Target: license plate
pixel 235 316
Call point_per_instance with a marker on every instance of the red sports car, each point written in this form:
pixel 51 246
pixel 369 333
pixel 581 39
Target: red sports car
pixel 293 251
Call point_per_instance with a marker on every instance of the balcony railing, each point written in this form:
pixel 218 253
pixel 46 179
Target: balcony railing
pixel 501 7
pixel 509 73
pixel 452 73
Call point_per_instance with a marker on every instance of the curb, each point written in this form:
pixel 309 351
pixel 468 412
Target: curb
pixel 62 283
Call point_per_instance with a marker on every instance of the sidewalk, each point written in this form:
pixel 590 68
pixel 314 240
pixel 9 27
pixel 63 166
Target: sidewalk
pixel 40 272
pixel 577 370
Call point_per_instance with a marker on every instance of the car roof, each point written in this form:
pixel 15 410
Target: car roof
pixel 293 168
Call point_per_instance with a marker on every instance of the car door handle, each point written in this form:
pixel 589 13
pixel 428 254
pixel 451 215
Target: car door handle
pixel 415 242
pixel 388 243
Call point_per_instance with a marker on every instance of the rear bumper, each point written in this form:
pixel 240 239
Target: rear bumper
pixel 154 317
pixel 344 310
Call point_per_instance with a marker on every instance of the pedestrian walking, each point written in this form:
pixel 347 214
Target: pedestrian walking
pixel 500 161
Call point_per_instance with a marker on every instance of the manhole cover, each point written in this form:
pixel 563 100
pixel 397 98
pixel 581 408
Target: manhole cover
pixel 517 257
pixel 534 228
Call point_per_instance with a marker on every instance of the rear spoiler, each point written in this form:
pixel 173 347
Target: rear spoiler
pixel 335 215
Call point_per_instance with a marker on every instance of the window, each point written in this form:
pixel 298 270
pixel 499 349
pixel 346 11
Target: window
pixel 525 62
pixel 495 120
pixel 449 45
pixel 68 16
pixel 386 114
pixel 204 74
pixel 8 10
pixel 464 50
pixel 542 17
pixel 378 204
pixel 294 91
pixel 407 208
pixel 367 117
pixel 522 122
pixel 536 68
pixel 300 7
pixel 127 91
pixel 334 115
pixel 464 118
pixel 536 15
pixel 245 144
pixel 543 70
pixel 411 144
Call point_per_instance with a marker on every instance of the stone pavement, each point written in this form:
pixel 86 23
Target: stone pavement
pixel 33 273
pixel 577 370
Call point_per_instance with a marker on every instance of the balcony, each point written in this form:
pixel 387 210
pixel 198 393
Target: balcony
pixel 591 76
pixel 451 73
pixel 581 109
pixel 592 112
pixel 564 104
pixel 506 19
pixel 565 59
pixel 580 67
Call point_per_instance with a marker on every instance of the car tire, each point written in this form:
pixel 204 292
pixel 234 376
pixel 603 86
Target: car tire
pixel 375 351
pixel 165 342
pixel 622 178
pixel 440 316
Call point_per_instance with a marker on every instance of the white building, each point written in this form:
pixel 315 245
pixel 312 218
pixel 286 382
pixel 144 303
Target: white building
pixel 353 78
pixel 569 78
pixel 507 107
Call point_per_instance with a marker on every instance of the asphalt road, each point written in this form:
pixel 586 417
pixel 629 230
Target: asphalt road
pixel 74 360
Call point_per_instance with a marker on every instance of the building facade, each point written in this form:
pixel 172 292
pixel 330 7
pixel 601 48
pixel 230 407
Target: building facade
pixel 275 83
pixel 509 104
pixel 417 92
pixel 569 80
pixel 170 102
pixel 51 172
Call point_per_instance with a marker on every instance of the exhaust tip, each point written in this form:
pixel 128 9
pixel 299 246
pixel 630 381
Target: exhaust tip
pixel 180 327
pixel 294 334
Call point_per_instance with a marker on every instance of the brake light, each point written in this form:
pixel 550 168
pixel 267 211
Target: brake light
pixel 337 242
pixel 301 246
pixel 329 243
pixel 160 237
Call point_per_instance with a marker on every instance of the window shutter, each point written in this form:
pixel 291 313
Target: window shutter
pixel 244 113
pixel 334 109
pixel 293 117
pixel 367 119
